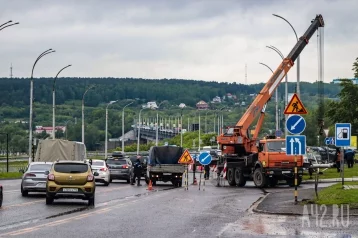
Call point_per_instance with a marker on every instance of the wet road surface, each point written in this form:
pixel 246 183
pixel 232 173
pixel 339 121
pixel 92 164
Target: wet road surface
pixel 123 210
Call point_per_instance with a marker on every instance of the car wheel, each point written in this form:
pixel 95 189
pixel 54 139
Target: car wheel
pixel 91 201
pixel 106 183
pixel 24 192
pixel 1 197
pixel 49 200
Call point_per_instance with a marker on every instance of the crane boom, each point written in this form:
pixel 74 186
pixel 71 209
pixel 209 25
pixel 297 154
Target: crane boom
pixel 281 71
pixel 236 140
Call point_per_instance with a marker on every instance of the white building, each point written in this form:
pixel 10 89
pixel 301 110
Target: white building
pixel 216 99
pixel 152 105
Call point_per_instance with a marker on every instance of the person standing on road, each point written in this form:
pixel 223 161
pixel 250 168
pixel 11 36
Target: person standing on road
pixel 207 172
pixel 337 159
pixel 137 172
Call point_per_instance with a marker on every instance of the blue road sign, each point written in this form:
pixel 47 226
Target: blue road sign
pixel 329 141
pixel 295 124
pixel 278 133
pixel 296 145
pixel 205 158
pixel 343 134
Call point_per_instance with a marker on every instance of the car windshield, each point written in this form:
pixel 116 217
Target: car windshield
pixel 40 167
pixel 97 163
pixel 275 145
pixel 116 161
pixel 71 168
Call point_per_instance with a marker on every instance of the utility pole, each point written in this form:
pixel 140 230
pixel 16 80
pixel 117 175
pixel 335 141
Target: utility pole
pixel 11 71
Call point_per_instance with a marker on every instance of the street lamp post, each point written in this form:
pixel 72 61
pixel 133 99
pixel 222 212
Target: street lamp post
pixel 156 129
pixel 139 121
pixel 49 51
pixel 106 134
pixel 83 113
pixel 206 125
pixel 7 151
pixel 276 97
pixel 6 24
pixel 298 58
pixel 286 80
pixel 53 101
pixel 123 125
pixel 66 123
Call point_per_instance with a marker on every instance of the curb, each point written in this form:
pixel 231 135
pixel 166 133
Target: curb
pixel 335 180
pixel 262 199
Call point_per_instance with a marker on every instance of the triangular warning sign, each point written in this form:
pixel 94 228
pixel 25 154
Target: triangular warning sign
pixel 186 158
pixel 295 106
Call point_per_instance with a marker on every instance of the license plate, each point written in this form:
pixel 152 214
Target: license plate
pixel 70 189
pixel 286 172
pixel 167 173
pixel 41 185
pixel 115 172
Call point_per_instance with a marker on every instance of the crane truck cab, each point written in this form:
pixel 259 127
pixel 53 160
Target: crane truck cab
pixel 274 164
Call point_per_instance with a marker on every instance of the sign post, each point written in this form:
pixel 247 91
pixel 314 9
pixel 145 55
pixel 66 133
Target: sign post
pixel 186 159
pixel 295 124
pixel 342 138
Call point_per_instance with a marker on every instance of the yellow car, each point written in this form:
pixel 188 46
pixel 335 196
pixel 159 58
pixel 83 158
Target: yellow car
pixel 70 179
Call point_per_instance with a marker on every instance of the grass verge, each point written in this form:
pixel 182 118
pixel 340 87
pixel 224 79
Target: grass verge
pixel 10 175
pixel 332 173
pixel 336 195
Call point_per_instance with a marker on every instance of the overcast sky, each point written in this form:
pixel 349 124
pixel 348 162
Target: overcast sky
pixel 203 40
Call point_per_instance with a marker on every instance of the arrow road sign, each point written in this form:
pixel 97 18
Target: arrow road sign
pixel 205 158
pixel 296 145
pixel 329 141
pixel 295 124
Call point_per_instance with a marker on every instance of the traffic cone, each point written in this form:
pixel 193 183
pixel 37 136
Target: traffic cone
pixel 195 182
pixel 150 186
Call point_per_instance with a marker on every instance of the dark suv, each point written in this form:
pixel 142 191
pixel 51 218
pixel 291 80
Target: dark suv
pixel 120 168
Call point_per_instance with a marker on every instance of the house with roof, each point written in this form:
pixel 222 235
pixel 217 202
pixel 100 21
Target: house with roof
pixel 216 99
pixel 202 105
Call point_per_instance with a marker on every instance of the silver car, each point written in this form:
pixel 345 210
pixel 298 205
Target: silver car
pixel 34 178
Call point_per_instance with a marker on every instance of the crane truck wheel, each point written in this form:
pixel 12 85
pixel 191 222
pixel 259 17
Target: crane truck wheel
pixel 239 178
pixel 231 176
pixel 260 179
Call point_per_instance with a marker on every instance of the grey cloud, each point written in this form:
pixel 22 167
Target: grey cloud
pixel 208 40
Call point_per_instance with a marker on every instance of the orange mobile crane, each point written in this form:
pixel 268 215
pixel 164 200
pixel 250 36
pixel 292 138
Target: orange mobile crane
pixel 262 161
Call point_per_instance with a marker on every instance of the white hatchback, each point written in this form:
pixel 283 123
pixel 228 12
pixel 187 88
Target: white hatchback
pixel 101 168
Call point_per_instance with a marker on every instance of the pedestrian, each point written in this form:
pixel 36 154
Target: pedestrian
pixel 207 172
pixel 349 156
pixel 137 171
pixel 337 159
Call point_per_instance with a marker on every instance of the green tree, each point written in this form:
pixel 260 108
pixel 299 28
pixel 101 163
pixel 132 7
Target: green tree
pixel 355 68
pixel 346 109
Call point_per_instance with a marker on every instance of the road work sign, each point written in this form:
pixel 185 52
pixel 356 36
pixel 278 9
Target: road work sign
pixel 186 158
pixel 295 106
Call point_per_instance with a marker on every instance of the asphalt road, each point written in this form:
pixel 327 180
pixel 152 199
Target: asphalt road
pixel 123 210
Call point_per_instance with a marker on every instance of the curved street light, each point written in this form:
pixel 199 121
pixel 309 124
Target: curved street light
pixel 83 113
pixel 106 136
pixel 49 51
pixel 276 97
pixel 3 26
pixel 123 125
pixel 53 101
pixel 298 58
pixel 139 123
pixel 286 79
pixel 157 129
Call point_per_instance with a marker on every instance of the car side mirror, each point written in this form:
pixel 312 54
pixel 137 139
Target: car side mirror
pixel 95 173
pixel 47 172
pixel 21 171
